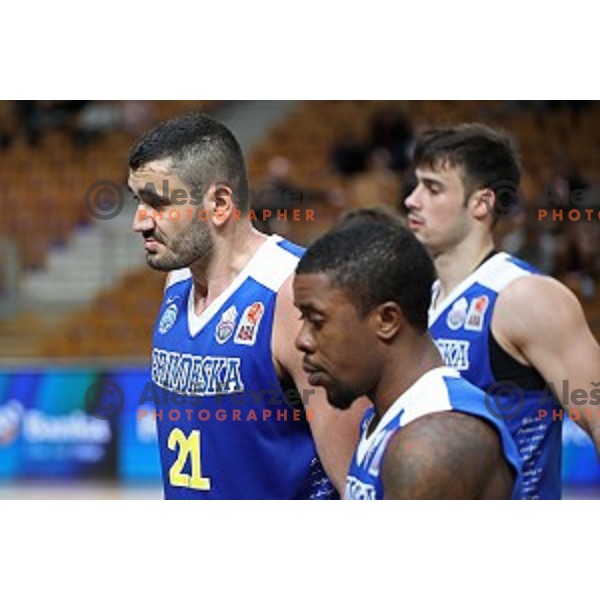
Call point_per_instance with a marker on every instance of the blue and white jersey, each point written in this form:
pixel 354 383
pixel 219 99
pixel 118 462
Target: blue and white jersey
pixel 227 427
pixel 461 328
pixel 439 390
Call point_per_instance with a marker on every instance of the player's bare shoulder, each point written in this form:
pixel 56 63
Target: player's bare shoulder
pixel 446 455
pixel 534 305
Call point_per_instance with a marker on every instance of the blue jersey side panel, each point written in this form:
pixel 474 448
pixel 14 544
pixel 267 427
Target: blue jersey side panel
pixel 461 331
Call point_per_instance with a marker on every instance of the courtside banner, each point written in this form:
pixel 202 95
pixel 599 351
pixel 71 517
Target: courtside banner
pixel 137 448
pixel 78 423
pixel 45 430
pixel 74 423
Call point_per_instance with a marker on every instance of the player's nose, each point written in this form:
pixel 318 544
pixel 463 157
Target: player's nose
pixel 304 341
pixel 413 201
pixel 142 220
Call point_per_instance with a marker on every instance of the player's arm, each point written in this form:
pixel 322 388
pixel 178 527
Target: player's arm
pixel 335 432
pixel 446 455
pixel 541 321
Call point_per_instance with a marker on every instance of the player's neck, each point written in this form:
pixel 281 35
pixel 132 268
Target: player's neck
pixel 231 252
pixel 408 362
pixel 455 264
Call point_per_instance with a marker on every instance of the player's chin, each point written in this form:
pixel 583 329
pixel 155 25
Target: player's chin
pixel 340 398
pixel 158 263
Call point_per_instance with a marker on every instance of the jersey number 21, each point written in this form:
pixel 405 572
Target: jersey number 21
pixel 189 445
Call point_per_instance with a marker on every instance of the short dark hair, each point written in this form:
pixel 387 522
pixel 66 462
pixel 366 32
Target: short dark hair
pixel 203 152
pixel 370 214
pixel 488 158
pixel 375 263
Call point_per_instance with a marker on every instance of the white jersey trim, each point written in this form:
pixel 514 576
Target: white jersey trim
pixel 495 274
pixel 429 394
pixel 275 268
pixel 177 276
pixel 266 257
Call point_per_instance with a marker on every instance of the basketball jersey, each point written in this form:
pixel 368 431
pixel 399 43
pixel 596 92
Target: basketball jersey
pixel 439 390
pixel 461 328
pixel 228 429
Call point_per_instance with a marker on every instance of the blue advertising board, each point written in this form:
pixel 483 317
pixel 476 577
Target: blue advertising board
pixel 49 428
pixel 77 423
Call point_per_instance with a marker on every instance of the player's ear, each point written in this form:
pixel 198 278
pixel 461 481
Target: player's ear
pixel 389 320
pixel 482 203
pixel 221 204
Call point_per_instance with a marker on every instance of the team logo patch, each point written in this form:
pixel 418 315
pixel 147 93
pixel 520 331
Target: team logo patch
pixel 168 318
pixel 457 314
pixel 248 328
pixel 226 325
pixel 476 313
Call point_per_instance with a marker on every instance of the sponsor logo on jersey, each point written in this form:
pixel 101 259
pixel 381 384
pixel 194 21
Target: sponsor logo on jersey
pixel 248 328
pixel 226 325
pixel 167 319
pixel 457 314
pixel 192 375
pixel 476 313
pixel 358 490
pixel 455 353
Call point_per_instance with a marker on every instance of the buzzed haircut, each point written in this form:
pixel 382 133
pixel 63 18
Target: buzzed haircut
pixel 488 158
pixel 203 152
pixel 375 263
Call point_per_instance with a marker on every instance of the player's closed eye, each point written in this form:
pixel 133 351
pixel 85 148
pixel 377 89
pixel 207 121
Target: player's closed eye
pixel 311 320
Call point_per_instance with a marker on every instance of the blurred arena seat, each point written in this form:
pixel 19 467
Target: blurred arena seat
pixel 42 203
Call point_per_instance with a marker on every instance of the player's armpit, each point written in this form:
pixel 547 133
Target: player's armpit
pixel 544 320
pixel 335 431
pixel 446 455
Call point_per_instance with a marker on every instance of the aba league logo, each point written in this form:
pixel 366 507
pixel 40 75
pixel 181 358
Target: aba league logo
pixel 168 319
pixel 248 328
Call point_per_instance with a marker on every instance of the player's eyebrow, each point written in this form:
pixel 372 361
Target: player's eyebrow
pixel 429 180
pixel 308 309
pixel 149 197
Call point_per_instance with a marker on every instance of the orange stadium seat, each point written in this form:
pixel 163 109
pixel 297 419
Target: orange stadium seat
pixel 41 200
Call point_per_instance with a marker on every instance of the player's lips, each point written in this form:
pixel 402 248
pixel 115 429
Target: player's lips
pixel 315 375
pixel 414 223
pixel 151 243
